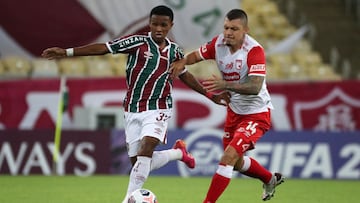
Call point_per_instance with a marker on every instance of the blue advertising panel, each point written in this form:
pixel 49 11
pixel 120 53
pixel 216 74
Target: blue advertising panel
pixel 295 154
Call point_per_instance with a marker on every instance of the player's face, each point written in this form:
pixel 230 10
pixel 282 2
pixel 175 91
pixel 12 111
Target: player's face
pixel 159 27
pixel 234 33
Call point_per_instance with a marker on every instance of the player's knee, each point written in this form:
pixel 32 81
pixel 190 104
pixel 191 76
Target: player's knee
pixel 230 156
pixel 147 146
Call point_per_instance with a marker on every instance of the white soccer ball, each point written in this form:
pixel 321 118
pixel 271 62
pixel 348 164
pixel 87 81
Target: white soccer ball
pixel 142 196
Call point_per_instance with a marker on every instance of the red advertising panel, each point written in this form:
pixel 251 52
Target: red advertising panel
pixel 319 106
pixel 316 106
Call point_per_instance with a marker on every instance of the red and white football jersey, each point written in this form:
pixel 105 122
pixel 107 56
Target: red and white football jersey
pixel 248 60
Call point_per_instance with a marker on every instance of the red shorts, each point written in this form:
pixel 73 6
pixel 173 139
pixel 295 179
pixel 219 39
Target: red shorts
pixel 243 131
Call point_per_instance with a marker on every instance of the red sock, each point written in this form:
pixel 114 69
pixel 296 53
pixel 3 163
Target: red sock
pixel 217 187
pixel 257 171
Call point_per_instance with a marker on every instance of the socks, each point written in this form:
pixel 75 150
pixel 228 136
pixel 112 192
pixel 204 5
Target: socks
pixel 220 181
pixel 253 169
pixel 160 158
pixel 143 166
pixel 139 173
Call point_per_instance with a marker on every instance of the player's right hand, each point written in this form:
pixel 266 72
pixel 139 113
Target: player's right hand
pixel 54 53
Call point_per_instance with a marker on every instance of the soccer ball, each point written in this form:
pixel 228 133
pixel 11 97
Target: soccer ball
pixel 142 196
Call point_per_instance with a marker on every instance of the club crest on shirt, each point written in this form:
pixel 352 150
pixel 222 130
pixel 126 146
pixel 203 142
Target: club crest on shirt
pixel 203 49
pixel 238 64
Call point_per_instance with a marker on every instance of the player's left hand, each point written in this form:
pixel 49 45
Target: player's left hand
pixel 176 68
pixel 54 53
pixel 222 98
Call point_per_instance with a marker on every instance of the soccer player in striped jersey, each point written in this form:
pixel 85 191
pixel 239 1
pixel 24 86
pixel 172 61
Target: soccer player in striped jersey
pixel 241 61
pixel 148 102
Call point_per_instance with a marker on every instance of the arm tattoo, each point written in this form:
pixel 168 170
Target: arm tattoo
pixel 251 86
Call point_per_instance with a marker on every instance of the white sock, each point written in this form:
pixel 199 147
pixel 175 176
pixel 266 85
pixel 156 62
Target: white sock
pixel 246 165
pixel 139 173
pixel 160 158
pixel 226 171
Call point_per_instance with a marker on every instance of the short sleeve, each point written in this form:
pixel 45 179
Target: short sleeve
pixel 256 61
pixel 180 53
pixel 126 44
pixel 207 51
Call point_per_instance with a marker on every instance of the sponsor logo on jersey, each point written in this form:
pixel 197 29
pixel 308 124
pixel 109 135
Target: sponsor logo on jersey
pixel 233 76
pixel 130 41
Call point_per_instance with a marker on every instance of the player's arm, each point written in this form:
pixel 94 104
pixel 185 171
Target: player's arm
pixel 253 81
pixel 186 77
pixel 252 86
pixel 205 52
pixel 193 58
pixel 87 50
pixel 177 67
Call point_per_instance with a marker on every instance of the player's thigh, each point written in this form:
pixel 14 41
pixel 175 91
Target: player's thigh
pixel 133 126
pixel 155 124
pixel 249 131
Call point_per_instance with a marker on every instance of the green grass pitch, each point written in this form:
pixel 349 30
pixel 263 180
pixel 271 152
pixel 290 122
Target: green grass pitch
pixel 111 188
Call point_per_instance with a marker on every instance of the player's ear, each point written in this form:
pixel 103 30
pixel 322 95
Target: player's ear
pixel 246 29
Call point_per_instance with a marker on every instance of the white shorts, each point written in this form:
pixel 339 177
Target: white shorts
pixel 152 123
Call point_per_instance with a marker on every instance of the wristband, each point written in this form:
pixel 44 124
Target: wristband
pixel 70 52
pixel 209 95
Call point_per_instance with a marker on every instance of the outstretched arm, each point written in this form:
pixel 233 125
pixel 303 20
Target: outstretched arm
pixel 222 98
pixel 177 67
pixel 87 50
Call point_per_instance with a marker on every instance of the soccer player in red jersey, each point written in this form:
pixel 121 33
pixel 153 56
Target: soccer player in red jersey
pixel 148 102
pixel 241 61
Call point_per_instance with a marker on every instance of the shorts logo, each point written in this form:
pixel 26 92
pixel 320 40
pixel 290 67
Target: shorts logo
pixel 158 131
pixel 227 135
pixel 244 131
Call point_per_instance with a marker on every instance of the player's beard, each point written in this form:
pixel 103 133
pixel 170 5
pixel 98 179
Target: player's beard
pixel 227 42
